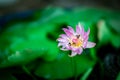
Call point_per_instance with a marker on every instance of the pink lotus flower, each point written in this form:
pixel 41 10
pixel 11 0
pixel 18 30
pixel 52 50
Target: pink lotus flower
pixel 75 41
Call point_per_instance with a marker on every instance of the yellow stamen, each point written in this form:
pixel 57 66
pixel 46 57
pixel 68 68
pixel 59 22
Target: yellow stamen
pixel 75 42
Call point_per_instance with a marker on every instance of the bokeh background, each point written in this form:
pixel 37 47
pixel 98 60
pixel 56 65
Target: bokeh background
pixel 28 33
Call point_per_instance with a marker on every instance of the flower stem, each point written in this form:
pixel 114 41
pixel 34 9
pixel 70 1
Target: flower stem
pixel 74 67
pixel 28 72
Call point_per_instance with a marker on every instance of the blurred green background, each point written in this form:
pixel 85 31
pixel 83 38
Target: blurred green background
pixel 28 46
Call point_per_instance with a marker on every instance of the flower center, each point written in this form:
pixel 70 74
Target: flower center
pixel 76 42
